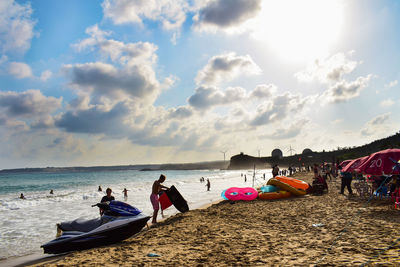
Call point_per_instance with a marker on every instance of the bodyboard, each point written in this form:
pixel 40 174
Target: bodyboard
pixel 177 200
pixel 164 200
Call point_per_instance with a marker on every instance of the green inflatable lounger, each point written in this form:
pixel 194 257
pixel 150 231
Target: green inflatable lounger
pixel 176 199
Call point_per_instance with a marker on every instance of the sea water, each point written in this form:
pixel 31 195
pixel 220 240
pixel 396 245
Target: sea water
pixel 26 224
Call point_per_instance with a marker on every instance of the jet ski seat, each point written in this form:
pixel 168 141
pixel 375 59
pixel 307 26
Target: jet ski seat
pixel 81 225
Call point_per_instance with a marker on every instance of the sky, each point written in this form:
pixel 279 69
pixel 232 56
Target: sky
pixel 118 82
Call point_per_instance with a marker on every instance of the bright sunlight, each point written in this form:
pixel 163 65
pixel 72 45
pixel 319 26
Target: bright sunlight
pixel 299 30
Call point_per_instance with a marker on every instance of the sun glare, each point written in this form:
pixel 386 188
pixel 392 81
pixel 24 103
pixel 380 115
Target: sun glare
pixel 299 30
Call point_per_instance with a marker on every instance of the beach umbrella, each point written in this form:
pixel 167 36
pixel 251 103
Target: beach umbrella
pixel 382 162
pixel 344 163
pixel 354 164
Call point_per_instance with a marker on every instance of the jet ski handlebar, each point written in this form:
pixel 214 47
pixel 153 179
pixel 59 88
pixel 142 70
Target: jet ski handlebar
pixel 103 205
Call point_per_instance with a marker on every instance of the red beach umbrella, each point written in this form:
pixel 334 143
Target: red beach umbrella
pixel 354 164
pixel 382 162
pixel 344 163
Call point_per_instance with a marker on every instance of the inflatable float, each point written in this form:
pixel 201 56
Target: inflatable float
pixel 299 184
pixel 286 187
pixel 269 189
pixel 274 195
pixel 223 195
pixel 241 193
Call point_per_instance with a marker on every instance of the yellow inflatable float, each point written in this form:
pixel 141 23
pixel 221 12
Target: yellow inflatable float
pixel 285 187
pixel 274 195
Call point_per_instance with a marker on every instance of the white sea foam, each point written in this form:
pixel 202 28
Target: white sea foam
pixel 27 224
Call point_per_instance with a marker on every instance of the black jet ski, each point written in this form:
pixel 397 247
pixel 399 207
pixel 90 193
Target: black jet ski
pixel 119 221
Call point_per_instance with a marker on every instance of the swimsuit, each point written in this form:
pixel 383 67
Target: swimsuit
pixel 154 201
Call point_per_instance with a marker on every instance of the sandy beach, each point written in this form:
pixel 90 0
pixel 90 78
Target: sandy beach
pixel 261 232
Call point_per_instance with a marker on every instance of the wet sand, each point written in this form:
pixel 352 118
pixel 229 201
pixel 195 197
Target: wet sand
pixel 261 232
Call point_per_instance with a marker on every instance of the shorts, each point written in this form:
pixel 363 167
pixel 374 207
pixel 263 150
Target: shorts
pixel 154 201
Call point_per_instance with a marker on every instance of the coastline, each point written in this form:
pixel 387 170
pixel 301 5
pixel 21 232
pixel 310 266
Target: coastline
pixel 293 231
pixel 40 259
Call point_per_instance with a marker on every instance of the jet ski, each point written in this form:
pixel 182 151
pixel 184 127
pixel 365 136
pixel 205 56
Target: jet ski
pixel 118 222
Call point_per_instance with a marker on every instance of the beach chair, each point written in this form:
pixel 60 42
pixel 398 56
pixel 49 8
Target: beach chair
pixel 363 189
pixel 382 192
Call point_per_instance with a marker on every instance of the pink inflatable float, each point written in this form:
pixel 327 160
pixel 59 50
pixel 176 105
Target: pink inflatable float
pixel 241 193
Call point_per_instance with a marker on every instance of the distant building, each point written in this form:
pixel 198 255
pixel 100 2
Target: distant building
pixel 307 151
pixel 277 153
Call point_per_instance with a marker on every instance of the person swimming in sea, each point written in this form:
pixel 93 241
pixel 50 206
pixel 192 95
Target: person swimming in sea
pixel 22 196
pixel 125 191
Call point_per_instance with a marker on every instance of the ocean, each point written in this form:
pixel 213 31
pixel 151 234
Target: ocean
pixel 28 223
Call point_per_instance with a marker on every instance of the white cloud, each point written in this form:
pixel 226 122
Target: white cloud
pixel 124 53
pixel 3 59
pixel 46 75
pixel 103 79
pixel 343 91
pixel 180 112
pixel 292 131
pixel 96 36
pixel 375 125
pixel 337 121
pixel 19 70
pixel 264 91
pixel 171 14
pixel 131 53
pixel 225 68
pixel 328 70
pixel 278 108
pixel 16 26
pixel 132 75
pixel 392 83
pixel 386 103
pixel 28 104
pixel 96 120
pixel 206 97
pixel 225 14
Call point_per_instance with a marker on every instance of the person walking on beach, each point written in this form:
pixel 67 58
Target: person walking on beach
pixel 346 182
pixel 125 191
pixel 275 170
pixel 157 187
pixel 208 184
